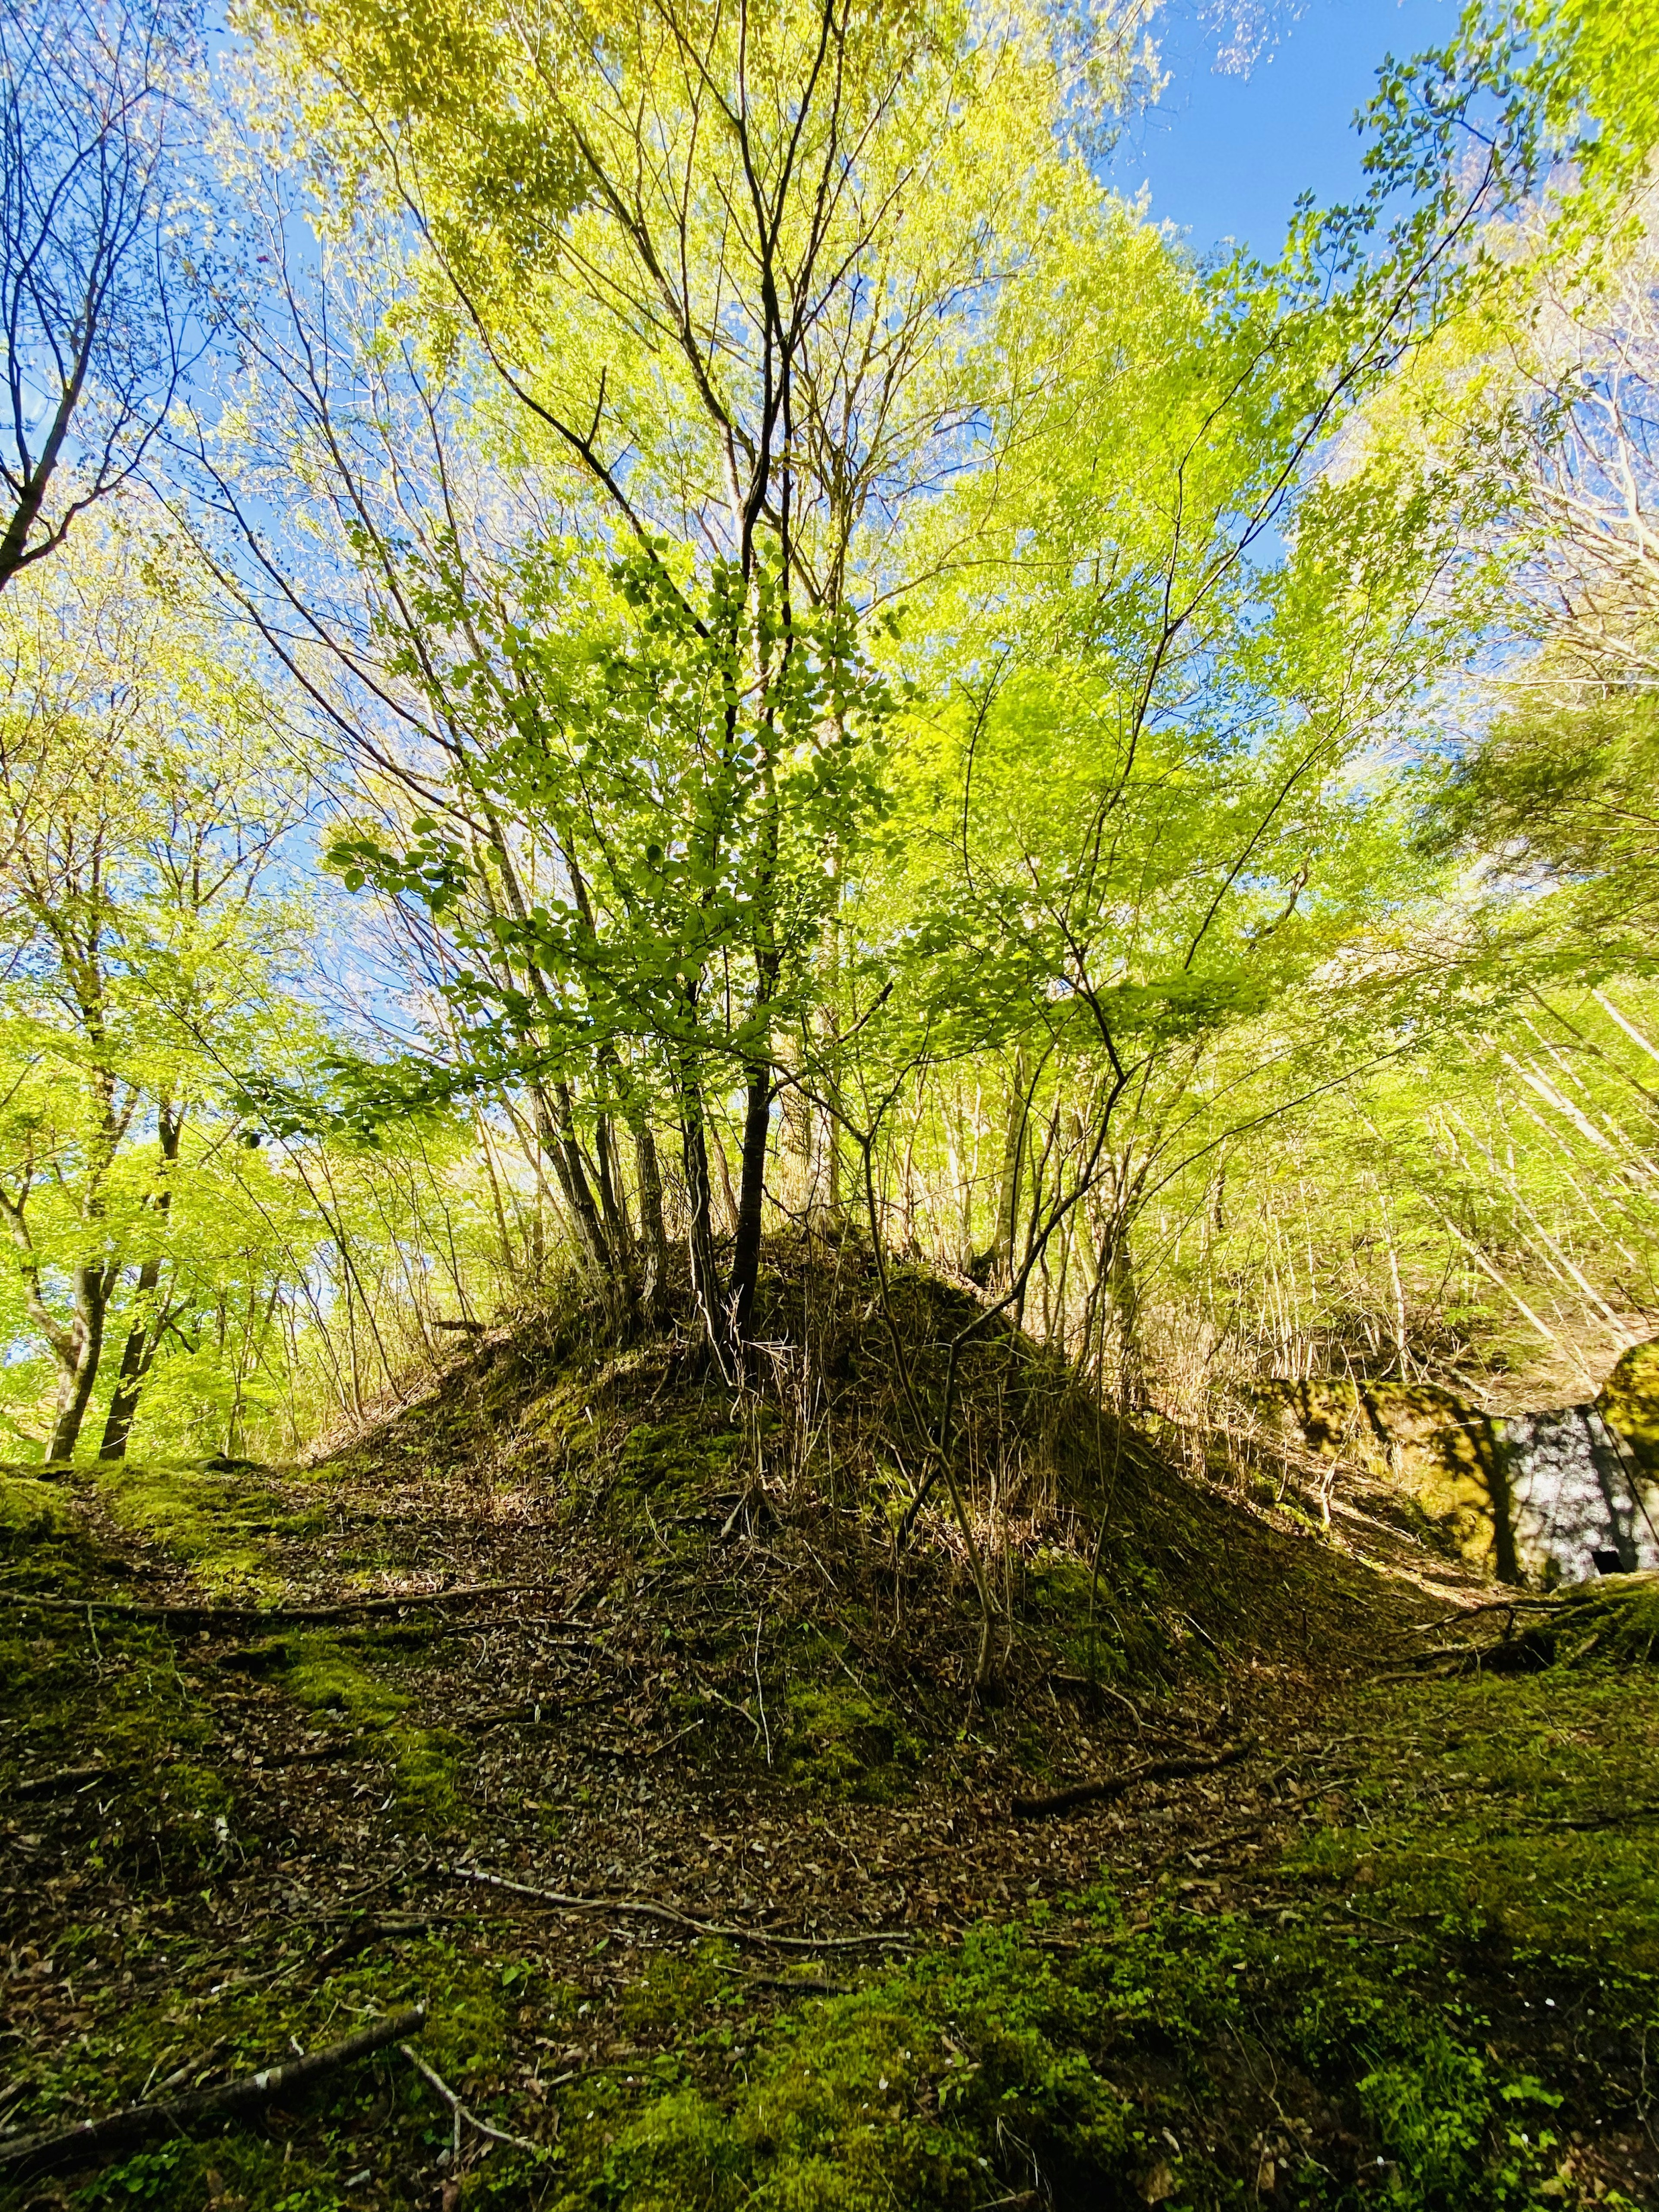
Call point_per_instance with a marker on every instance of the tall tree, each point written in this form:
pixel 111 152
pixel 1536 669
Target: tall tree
pixel 95 313
pixel 145 793
pixel 740 309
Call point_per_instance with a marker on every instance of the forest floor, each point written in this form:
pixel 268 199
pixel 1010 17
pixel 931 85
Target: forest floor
pixel 672 1803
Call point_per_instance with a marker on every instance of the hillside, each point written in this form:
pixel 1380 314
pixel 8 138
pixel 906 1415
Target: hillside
pixel 609 1722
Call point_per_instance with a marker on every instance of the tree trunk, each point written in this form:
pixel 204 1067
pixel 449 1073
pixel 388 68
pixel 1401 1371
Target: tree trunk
pixel 1013 1153
pixel 613 1199
pixel 1117 1272
pixel 137 1355
pixel 78 1359
pixel 143 1337
pixel 797 1150
pixel 1491 1458
pixel 555 1132
pixel 751 1192
pixel 700 1235
pixel 653 1233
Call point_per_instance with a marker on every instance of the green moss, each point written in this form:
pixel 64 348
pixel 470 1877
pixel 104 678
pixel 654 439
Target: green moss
pixel 323 1676
pixel 1630 1403
pixel 1616 1620
pixel 679 1991
pixel 682 1456
pixel 322 1673
pixel 32 1511
pixel 1114 1623
pixel 846 1743
pixel 110 1694
pixel 371 2117
pixel 955 2082
pixel 1518 1812
pixel 945 2081
pixel 219 1523
pixel 1439 1454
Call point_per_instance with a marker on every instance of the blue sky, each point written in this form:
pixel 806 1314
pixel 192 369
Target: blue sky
pixel 1226 154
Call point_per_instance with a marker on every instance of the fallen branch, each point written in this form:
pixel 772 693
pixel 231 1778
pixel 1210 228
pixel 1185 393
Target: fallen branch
pixel 459 2112
pixel 646 1908
pixel 814 1989
pixel 367 1932
pixel 664 1743
pixel 1493 1605
pixel 1113 1786
pixel 135 2123
pixel 279 1616
pixel 1592 1821
pixel 67 1778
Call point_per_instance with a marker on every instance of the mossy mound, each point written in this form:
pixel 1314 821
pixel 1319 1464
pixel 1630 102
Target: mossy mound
pixel 1616 1620
pixel 30 1510
pixel 658 1770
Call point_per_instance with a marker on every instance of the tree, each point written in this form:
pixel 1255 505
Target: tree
pixel 738 312
pixel 94 286
pixel 146 792
pixel 1555 790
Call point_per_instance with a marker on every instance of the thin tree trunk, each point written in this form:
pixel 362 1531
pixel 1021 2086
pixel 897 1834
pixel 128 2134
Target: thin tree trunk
pixel 1013 1152
pixel 653 1232
pixel 556 1136
pixel 613 1199
pixel 137 1354
pixel 700 1234
pixel 78 1361
pixel 751 1191
pixel 144 1336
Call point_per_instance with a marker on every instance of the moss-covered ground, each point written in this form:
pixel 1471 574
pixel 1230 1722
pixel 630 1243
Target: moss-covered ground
pixel 779 1940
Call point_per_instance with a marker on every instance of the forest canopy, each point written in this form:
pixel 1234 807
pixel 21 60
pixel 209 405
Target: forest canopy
pixel 629 630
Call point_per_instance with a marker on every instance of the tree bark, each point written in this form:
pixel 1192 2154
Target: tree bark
pixel 751 1192
pixel 555 1133
pixel 14 545
pixel 700 1235
pixel 143 1338
pixel 137 1354
pixel 653 1233
pixel 1013 1153
pixel 78 1357
pixel 613 1199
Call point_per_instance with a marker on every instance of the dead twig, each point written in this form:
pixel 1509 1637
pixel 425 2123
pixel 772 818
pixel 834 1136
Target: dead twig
pixel 67 1778
pixel 1493 1605
pixel 367 1932
pixel 93 2139
pixel 664 1743
pixel 1205 1851
pixel 1113 1786
pixel 646 1908
pixel 460 2113
pixel 804 1988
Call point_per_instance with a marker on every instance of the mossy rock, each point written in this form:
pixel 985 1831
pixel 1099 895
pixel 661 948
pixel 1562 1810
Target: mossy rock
pixel 1442 1454
pixel 1629 1403
pixel 1616 1620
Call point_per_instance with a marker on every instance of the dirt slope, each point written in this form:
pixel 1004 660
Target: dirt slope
pixel 647 1767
